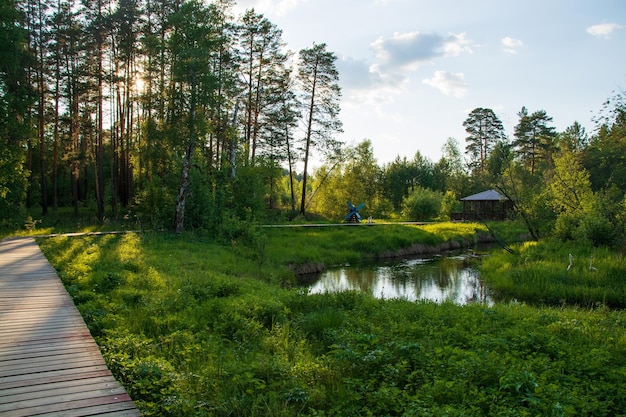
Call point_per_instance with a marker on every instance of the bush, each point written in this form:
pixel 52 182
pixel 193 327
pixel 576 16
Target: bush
pixel 421 204
pixel 566 225
pixel 449 204
pixel 597 230
pixel 153 207
pixel 382 208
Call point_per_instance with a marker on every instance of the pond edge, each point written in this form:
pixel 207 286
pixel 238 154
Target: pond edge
pixel 414 249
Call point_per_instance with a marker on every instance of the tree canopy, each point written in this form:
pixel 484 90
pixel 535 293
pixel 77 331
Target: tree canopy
pixel 179 114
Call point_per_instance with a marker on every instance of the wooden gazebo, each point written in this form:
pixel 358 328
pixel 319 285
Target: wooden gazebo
pixel 488 205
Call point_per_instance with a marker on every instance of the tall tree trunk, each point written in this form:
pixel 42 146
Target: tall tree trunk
pixel 74 134
pixel 309 133
pixel 179 214
pixel 99 174
pixel 41 123
pixel 290 165
pixel 55 145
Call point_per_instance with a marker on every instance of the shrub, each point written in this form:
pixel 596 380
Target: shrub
pixel 596 230
pixel 566 225
pixel 153 207
pixel 449 204
pixel 421 204
pixel 382 208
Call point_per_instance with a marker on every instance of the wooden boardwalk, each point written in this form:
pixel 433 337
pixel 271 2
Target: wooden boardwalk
pixel 49 363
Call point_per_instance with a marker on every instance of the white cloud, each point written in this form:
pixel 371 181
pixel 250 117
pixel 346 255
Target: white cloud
pixel 511 45
pixel 450 84
pixel 359 75
pixel 455 45
pixel 411 49
pixel 363 86
pixel 406 50
pixel 603 30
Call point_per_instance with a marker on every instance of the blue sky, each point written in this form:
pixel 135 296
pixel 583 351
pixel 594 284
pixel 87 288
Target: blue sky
pixel 412 70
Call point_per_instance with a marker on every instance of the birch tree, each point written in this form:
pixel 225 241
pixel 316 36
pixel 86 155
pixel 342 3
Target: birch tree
pixel 192 44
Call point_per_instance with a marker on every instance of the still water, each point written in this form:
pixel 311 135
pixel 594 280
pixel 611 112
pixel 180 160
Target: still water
pixel 454 278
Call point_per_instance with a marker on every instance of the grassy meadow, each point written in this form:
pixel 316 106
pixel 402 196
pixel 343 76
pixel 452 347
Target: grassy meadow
pixel 540 273
pixel 197 327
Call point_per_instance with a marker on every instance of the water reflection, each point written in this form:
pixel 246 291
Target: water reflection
pixel 438 279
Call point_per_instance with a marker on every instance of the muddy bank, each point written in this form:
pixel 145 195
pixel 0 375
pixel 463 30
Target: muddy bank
pixel 413 250
pixel 307 269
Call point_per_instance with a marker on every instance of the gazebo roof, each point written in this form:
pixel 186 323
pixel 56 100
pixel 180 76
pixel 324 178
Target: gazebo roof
pixel 489 195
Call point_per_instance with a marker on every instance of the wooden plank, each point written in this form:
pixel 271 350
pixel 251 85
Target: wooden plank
pixel 49 363
pixel 10 394
pixel 46 281
pixel 123 409
pixel 33 320
pixel 60 325
pixel 62 341
pixel 36 336
pixel 59 389
pixel 42 378
pixel 64 402
pixel 9 347
pixel 53 365
pixel 44 351
pixel 59 360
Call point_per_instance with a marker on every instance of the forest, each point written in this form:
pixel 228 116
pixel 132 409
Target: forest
pixel 178 115
pixel 189 127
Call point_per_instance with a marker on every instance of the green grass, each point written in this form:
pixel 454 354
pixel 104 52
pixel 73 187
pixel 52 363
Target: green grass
pixel 192 327
pixel 333 245
pixel 538 273
pixel 63 220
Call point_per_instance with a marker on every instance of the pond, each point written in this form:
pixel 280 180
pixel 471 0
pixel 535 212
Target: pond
pixel 439 278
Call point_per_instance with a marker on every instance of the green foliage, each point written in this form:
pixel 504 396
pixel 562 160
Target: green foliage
pixel 596 230
pixel 566 225
pixel 582 215
pixel 153 206
pixel 191 327
pixel 334 245
pixel 318 78
pixel 570 188
pixel 16 97
pixel 484 130
pixel 401 176
pixel 603 157
pixel 526 191
pixel 579 210
pixel 356 178
pixel 534 139
pixel 382 208
pixel 449 204
pixel 422 204
pixel 540 274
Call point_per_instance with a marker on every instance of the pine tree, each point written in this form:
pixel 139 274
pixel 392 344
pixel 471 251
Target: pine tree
pixel 319 81
pixel 16 97
pixel 484 131
pixel 534 139
pixel 262 64
pixel 192 43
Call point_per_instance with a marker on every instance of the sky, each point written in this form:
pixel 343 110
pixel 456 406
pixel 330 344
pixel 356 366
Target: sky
pixel 411 71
